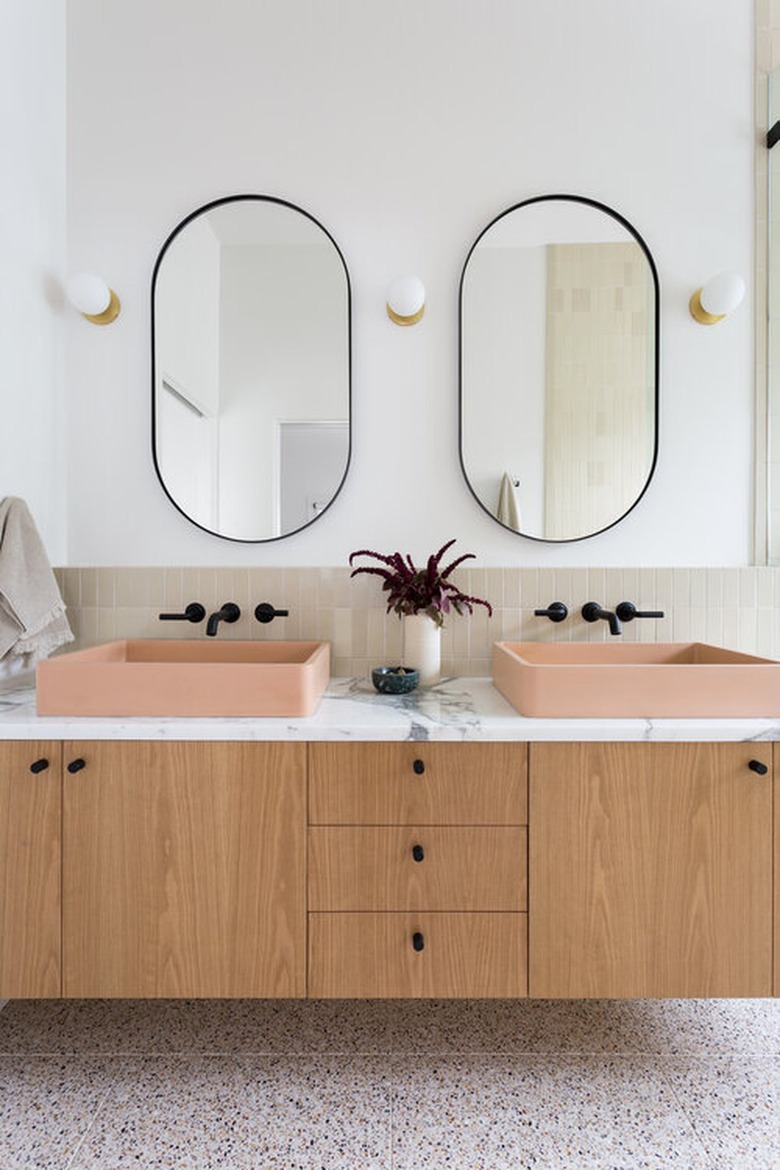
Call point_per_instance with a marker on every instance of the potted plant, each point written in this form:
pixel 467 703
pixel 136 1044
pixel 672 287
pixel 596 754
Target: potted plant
pixel 422 597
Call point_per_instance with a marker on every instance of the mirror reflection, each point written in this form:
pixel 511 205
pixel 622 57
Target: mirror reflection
pixel 559 368
pixel 251 368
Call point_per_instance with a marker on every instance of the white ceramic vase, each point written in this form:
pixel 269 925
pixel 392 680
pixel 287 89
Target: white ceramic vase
pixel 422 646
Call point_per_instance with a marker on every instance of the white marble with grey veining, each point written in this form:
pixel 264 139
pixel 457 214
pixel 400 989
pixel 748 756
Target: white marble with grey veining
pixel 455 709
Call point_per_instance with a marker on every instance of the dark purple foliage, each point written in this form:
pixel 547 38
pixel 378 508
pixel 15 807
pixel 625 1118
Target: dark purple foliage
pixel 411 590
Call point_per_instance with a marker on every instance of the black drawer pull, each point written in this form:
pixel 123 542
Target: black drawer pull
pixel 419 767
pixel 76 765
pixel 418 853
pixel 39 766
pixel 418 942
pixel 757 766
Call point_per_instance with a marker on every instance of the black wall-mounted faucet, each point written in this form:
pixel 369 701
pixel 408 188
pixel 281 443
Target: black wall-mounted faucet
pixel 592 612
pixel 229 613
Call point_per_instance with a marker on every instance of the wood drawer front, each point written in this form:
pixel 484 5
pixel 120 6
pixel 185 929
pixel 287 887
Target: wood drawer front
pixel 374 868
pixel 372 956
pixel 418 783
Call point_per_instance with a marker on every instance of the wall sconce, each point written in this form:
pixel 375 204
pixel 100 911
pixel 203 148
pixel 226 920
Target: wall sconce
pixel 93 298
pixel 406 300
pixel 718 297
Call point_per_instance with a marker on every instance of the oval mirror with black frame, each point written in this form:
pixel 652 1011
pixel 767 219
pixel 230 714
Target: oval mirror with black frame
pixel 251 368
pixel 559 328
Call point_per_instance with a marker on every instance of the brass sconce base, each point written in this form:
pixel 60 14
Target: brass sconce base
pixel 700 314
pixel 108 315
pixel 412 319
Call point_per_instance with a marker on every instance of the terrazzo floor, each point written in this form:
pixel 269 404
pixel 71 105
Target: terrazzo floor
pixel 390 1085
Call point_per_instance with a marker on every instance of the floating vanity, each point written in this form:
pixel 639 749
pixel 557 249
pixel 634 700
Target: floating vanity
pixel 436 844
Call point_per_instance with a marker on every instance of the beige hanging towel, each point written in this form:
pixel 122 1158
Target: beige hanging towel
pixel 32 613
pixel 508 511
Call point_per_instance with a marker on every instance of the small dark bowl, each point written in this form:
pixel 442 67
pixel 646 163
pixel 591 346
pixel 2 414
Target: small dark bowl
pixel 394 680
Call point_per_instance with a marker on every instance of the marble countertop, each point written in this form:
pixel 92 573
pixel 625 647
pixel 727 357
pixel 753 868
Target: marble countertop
pixel 455 709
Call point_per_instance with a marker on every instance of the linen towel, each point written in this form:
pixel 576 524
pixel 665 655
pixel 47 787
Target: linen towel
pixel 32 613
pixel 508 511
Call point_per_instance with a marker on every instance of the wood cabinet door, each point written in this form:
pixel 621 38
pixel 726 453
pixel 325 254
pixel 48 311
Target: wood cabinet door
pixel 30 791
pixel 184 869
pixel 398 867
pixel 650 870
pixel 417 955
pixel 777 868
pixel 414 783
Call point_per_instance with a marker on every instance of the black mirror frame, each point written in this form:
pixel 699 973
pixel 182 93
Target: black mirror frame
pixel 656 359
pixel 169 240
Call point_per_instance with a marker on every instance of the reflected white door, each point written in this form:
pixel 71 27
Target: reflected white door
pixel 312 461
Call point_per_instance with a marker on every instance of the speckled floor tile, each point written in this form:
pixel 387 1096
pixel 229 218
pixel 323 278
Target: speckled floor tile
pixel 706 1025
pixel 168 1026
pixel 511 1026
pixel 96 1026
pixel 538 1111
pixel 243 1113
pixel 47 1104
pixel 585 1026
pixel 734 1105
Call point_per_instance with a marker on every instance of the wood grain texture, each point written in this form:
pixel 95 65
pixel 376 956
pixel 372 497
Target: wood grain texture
pixel 373 868
pixel 30 965
pixel 375 784
pixel 650 870
pixel 776 750
pixel 364 956
pixel 184 870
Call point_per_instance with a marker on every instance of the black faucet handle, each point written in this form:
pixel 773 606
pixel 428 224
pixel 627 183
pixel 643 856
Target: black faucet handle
pixel 265 612
pixel 195 612
pixel 556 611
pixel 627 611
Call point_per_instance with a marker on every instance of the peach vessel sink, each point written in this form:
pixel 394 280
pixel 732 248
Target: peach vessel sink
pixel 651 680
pixel 188 678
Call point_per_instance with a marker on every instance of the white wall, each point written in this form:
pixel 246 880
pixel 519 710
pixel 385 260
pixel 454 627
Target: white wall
pixel 32 260
pixel 404 129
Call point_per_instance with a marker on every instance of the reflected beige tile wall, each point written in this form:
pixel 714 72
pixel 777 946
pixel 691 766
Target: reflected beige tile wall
pixel 738 608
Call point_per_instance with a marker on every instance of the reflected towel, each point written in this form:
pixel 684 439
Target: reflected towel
pixel 508 511
pixel 32 613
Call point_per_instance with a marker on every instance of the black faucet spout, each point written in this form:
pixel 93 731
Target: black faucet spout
pixel 229 613
pixel 593 612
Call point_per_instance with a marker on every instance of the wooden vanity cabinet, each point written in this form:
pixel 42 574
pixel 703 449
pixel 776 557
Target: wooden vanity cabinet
pixel 777 867
pixel 30 789
pixel 417 870
pixel 650 870
pixel 172 869
pixel 184 869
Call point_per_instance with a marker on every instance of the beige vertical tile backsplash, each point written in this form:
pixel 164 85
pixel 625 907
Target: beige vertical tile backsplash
pixel 738 608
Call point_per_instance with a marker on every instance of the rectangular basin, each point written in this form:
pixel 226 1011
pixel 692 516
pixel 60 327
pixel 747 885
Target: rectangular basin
pixel 652 680
pixel 187 678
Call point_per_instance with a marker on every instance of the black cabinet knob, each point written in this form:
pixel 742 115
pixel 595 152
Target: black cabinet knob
pixel 418 853
pixel 757 766
pixel 419 767
pixel 418 942
pixel 39 766
pixel 77 765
